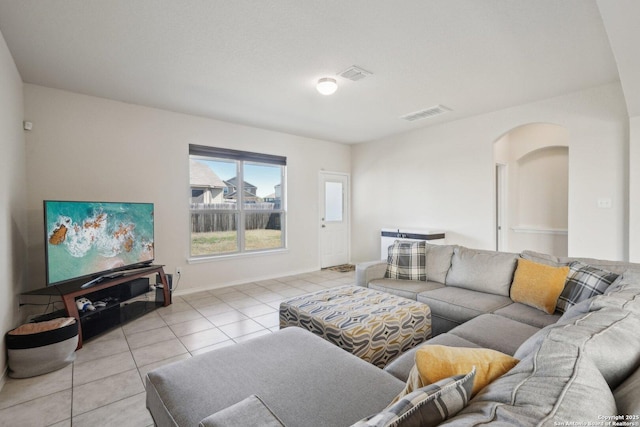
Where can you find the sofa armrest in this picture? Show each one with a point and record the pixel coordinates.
(368, 271)
(251, 411)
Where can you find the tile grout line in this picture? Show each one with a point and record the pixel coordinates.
(110, 403)
(73, 367)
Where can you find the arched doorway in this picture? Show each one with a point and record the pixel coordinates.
(532, 187)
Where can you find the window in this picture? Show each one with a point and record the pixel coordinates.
(237, 201)
(333, 208)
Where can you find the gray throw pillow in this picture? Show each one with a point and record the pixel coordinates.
(427, 406)
(583, 282)
(407, 261)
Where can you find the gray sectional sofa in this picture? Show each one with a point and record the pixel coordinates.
(575, 368)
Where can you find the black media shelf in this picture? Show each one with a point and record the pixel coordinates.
(123, 294)
(133, 310)
(111, 316)
(99, 321)
(84, 315)
(103, 319)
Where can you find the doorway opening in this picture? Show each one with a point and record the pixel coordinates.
(532, 189)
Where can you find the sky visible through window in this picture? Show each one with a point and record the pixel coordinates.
(265, 177)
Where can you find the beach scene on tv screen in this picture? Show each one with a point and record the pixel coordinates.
(84, 238)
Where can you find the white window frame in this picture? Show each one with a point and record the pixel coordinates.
(241, 158)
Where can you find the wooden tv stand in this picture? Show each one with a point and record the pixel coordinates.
(72, 290)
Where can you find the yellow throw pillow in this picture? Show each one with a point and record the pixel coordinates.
(538, 285)
(436, 362)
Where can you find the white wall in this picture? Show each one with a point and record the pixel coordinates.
(443, 176)
(13, 225)
(543, 183)
(88, 148)
(634, 189)
(540, 194)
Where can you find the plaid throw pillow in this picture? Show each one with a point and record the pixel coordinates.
(427, 406)
(583, 282)
(407, 261)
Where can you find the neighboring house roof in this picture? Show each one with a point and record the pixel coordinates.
(233, 182)
(248, 195)
(201, 175)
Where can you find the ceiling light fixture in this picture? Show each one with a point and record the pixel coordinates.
(327, 85)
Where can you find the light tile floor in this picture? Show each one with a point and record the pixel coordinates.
(105, 385)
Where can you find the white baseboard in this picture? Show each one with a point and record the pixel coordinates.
(188, 291)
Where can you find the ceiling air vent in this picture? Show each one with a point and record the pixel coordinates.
(426, 113)
(355, 73)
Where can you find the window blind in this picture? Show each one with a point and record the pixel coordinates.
(226, 153)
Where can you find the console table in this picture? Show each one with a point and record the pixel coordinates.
(72, 290)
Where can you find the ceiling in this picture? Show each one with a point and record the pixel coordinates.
(256, 62)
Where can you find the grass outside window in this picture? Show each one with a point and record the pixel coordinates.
(220, 242)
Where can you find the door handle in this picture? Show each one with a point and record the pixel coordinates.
(323, 226)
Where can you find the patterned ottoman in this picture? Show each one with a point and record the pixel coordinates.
(374, 326)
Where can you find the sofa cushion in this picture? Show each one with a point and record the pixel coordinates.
(632, 276)
(580, 309)
(556, 383)
(441, 325)
(461, 305)
(627, 395)
(438, 262)
(622, 283)
(427, 406)
(626, 285)
(339, 385)
(541, 258)
(483, 271)
(403, 288)
(617, 267)
(251, 411)
(402, 365)
(367, 271)
(583, 282)
(625, 298)
(627, 301)
(407, 261)
(529, 315)
(495, 332)
(607, 336)
(538, 285)
(610, 338)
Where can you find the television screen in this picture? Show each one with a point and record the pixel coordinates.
(85, 239)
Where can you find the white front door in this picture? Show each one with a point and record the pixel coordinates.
(334, 219)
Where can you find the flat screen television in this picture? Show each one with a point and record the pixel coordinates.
(92, 240)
